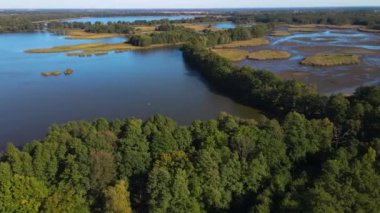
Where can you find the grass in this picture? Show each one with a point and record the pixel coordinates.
(80, 34)
(68, 71)
(247, 43)
(303, 29)
(92, 48)
(331, 60)
(52, 73)
(280, 33)
(145, 29)
(269, 55)
(368, 30)
(232, 54)
(198, 27)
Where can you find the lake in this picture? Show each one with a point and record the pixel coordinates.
(105, 20)
(118, 85)
(329, 80)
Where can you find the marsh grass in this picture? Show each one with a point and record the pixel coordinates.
(232, 54)
(80, 34)
(248, 43)
(89, 49)
(331, 60)
(269, 55)
(280, 33)
(68, 71)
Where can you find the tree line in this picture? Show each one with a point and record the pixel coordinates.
(171, 34)
(356, 116)
(366, 17)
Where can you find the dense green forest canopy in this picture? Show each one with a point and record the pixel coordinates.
(223, 165)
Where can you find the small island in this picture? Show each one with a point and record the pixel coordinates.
(68, 71)
(52, 73)
(263, 55)
(326, 60)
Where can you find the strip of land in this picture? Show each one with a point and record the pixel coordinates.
(96, 47)
(80, 34)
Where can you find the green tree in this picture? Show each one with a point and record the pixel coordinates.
(117, 198)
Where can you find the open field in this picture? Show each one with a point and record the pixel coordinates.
(145, 29)
(280, 33)
(248, 43)
(232, 54)
(80, 34)
(269, 55)
(331, 60)
(198, 27)
(94, 48)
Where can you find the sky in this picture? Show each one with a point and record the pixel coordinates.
(146, 4)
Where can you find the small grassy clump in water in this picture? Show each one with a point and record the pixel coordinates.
(68, 71)
(331, 60)
(53, 73)
(269, 55)
(247, 43)
(232, 54)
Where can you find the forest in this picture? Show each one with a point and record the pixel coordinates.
(223, 165)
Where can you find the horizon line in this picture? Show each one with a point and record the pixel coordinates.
(195, 8)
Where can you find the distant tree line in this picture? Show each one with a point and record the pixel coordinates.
(369, 18)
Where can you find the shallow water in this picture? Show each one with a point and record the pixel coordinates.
(128, 18)
(118, 85)
(225, 25)
(338, 79)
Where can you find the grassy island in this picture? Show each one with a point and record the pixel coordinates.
(232, 54)
(331, 60)
(269, 55)
(52, 73)
(80, 34)
(93, 48)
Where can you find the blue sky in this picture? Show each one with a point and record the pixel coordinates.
(125, 4)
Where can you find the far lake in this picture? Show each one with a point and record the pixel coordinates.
(118, 85)
(128, 18)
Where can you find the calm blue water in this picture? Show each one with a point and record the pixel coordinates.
(129, 18)
(118, 85)
(225, 25)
